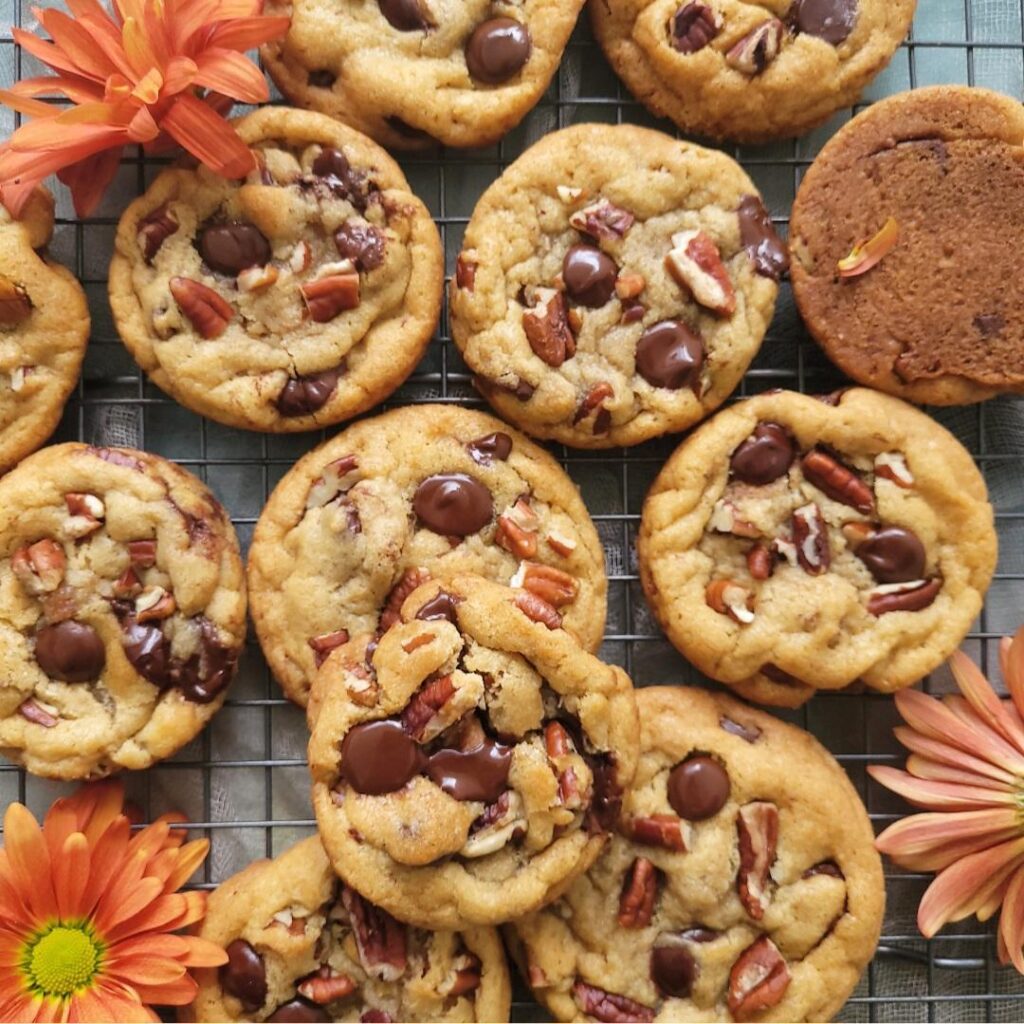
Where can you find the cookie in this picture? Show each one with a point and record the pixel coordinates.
(743, 885)
(295, 298)
(469, 763)
(942, 170)
(303, 946)
(44, 327)
(122, 610)
(426, 490)
(614, 284)
(413, 73)
(750, 72)
(796, 543)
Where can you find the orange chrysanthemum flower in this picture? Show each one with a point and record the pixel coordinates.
(86, 912)
(966, 768)
(155, 73)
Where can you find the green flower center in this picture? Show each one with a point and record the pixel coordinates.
(63, 959)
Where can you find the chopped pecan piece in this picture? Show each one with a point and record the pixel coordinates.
(142, 553)
(154, 229)
(465, 273)
(409, 581)
(556, 740)
(464, 977)
(810, 535)
(15, 305)
(559, 748)
(591, 401)
(603, 219)
(39, 567)
(725, 518)
(839, 482)
(757, 826)
(554, 586)
(903, 597)
(537, 609)
(893, 466)
(326, 985)
(301, 257)
(639, 891)
(560, 544)
(327, 487)
(760, 561)
(546, 325)
(380, 939)
(425, 704)
(208, 312)
(758, 980)
(758, 48)
(328, 296)
(325, 643)
(501, 822)
(609, 1007)
(730, 598)
(127, 584)
(857, 531)
(517, 530)
(86, 513)
(416, 642)
(154, 603)
(696, 264)
(257, 279)
(693, 26)
(664, 830)
(37, 713)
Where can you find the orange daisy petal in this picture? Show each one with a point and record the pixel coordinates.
(203, 953)
(27, 105)
(89, 178)
(44, 51)
(190, 857)
(122, 1003)
(195, 16)
(943, 771)
(76, 43)
(124, 901)
(976, 688)
(246, 33)
(231, 73)
(1011, 922)
(47, 1011)
(80, 90)
(938, 796)
(144, 970)
(936, 751)
(167, 913)
(19, 1006)
(1011, 659)
(179, 75)
(29, 861)
(931, 842)
(108, 853)
(71, 876)
(206, 135)
(176, 993)
(142, 127)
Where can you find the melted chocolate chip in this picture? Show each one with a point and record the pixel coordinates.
(405, 15)
(893, 555)
(674, 970)
(477, 774)
(303, 396)
(380, 757)
(669, 355)
(322, 78)
(497, 49)
(826, 867)
(363, 244)
(440, 606)
(698, 788)
(990, 324)
(244, 975)
(331, 166)
(523, 390)
(331, 163)
(453, 504)
(299, 1011)
(589, 275)
(764, 456)
(748, 732)
(831, 20)
(231, 248)
(759, 238)
(484, 450)
(70, 651)
(606, 797)
(148, 650)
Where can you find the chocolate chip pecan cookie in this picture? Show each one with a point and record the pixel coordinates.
(297, 297)
(752, 72)
(469, 763)
(122, 610)
(744, 884)
(361, 521)
(44, 327)
(412, 73)
(303, 946)
(905, 232)
(796, 543)
(614, 284)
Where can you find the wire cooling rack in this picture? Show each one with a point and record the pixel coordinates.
(243, 782)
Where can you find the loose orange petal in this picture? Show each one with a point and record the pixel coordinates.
(233, 74)
(208, 136)
(867, 254)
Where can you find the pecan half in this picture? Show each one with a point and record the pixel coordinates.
(546, 325)
(603, 219)
(639, 891)
(609, 1007)
(692, 27)
(537, 609)
(839, 482)
(409, 581)
(758, 979)
(142, 553)
(758, 48)
(664, 830)
(39, 567)
(425, 704)
(37, 713)
(380, 939)
(326, 985)
(207, 311)
(810, 535)
(903, 597)
(760, 561)
(328, 296)
(154, 229)
(465, 273)
(517, 530)
(730, 598)
(559, 748)
(323, 644)
(696, 264)
(15, 305)
(893, 466)
(554, 586)
(757, 826)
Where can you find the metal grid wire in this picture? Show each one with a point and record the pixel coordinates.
(243, 782)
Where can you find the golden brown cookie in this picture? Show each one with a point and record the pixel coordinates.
(939, 318)
(614, 284)
(303, 946)
(295, 298)
(743, 885)
(362, 520)
(796, 543)
(471, 763)
(44, 327)
(122, 610)
(752, 72)
(413, 73)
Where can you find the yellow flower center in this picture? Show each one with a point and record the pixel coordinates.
(63, 960)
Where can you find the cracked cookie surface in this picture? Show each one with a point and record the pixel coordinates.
(743, 883)
(122, 610)
(412, 73)
(44, 327)
(934, 320)
(470, 763)
(752, 72)
(296, 298)
(303, 946)
(614, 284)
(796, 543)
(426, 490)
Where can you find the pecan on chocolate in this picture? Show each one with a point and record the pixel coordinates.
(330, 295)
(603, 219)
(757, 826)
(664, 830)
(39, 567)
(154, 229)
(758, 979)
(537, 609)
(693, 26)
(425, 704)
(546, 325)
(839, 482)
(758, 48)
(810, 535)
(207, 311)
(639, 891)
(696, 264)
(554, 586)
(609, 1007)
(15, 305)
(903, 597)
(409, 581)
(380, 939)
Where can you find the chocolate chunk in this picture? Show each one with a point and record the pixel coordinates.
(303, 396)
(244, 975)
(206, 673)
(331, 163)
(440, 606)
(523, 390)
(764, 456)
(497, 49)
(826, 867)
(231, 248)
(759, 237)
(674, 970)
(332, 167)
(380, 757)
(299, 1011)
(606, 798)
(589, 275)
(477, 774)
(893, 555)
(484, 450)
(748, 732)
(405, 15)
(70, 651)
(148, 650)
(363, 244)
(670, 355)
(698, 788)
(989, 324)
(831, 20)
(453, 504)
(692, 27)
(322, 78)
